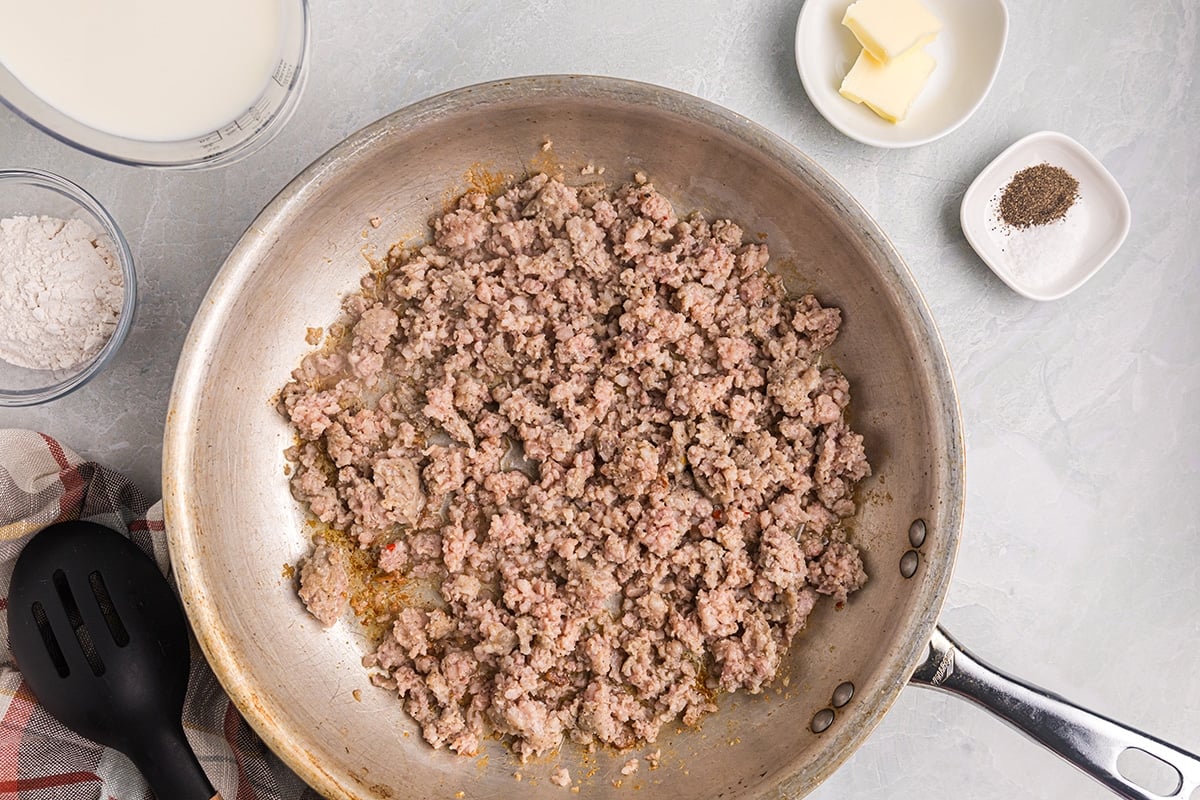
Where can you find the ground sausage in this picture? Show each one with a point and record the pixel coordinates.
(607, 438)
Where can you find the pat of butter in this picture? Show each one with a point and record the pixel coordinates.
(887, 29)
(888, 89)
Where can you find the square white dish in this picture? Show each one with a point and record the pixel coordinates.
(968, 51)
(1047, 262)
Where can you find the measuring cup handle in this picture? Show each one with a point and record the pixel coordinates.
(1085, 739)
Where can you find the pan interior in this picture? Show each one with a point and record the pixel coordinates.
(234, 525)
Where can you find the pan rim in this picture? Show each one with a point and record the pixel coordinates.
(179, 445)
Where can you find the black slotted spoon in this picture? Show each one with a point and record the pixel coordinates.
(102, 641)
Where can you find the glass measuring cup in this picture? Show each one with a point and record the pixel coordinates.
(249, 131)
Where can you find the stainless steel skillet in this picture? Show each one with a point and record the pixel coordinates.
(234, 526)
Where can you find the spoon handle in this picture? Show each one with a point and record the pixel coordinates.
(171, 767)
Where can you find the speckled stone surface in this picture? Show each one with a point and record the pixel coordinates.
(1080, 562)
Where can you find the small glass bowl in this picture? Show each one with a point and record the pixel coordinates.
(27, 192)
(256, 126)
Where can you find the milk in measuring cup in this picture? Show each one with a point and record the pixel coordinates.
(153, 70)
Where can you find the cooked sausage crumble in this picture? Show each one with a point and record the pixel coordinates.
(606, 437)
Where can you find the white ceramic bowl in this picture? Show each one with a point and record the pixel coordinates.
(968, 53)
(1054, 262)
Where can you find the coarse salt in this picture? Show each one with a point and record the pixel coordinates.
(1041, 256)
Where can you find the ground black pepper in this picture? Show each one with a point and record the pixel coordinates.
(1038, 195)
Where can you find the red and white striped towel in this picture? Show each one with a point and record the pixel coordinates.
(42, 482)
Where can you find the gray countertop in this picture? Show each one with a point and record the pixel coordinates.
(1080, 562)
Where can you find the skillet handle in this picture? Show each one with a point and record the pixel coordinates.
(1085, 739)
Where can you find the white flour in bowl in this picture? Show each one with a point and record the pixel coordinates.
(61, 292)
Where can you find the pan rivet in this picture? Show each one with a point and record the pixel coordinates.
(842, 694)
(916, 533)
(822, 720)
(909, 562)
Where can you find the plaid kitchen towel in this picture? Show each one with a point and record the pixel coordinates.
(42, 482)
